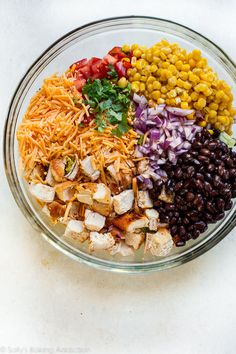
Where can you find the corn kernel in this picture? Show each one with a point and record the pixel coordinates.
(135, 86)
(137, 53)
(187, 85)
(180, 83)
(183, 75)
(136, 77)
(185, 67)
(150, 79)
(142, 87)
(222, 119)
(172, 94)
(160, 101)
(173, 69)
(122, 83)
(184, 105)
(153, 68)
(155, 95)
(203, 124)
(179, 64)
(156, 85)
(172, 81)
(164, 89)
(212, 113)
(134, 46)
(201, 103)
(194, 96)
(192, 63)
(174, 59)
(126, 48)
(150, 87)
(196, 54)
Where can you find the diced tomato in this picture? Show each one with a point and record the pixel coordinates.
(99, 69)
(93, 60)
(117, 53)
(120, 68)
(79, 83)
(85, 71)
(126, 64)
(110, 59)
(79, 64)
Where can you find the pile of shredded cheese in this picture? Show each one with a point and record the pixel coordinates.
(51, 129)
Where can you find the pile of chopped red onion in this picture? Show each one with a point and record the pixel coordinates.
(168, 134)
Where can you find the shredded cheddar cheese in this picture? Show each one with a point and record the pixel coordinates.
(52, 129)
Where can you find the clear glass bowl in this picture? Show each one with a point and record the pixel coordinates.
(95, 39)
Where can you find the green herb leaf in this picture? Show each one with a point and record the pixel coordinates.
(112, 73)
(75, 101)
(69, 164)
(140, 140)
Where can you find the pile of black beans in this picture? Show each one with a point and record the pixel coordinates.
(203, 183)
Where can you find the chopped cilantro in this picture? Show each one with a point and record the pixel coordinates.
(81, 124)
(109, 103)
(112, 73)
(75, 101)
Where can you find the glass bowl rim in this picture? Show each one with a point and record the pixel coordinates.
(11, 174)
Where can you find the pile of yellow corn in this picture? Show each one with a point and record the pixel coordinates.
(166, 73)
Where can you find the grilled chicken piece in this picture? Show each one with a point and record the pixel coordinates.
(130, 222)
(165, 197)
(153, 217)
(143, 166)
(42, 192)
(111, 169)
(94, 221)
(57, 167)
(74, 212)
(49, 178)
(116, 233)
(56, 210)
(101, 208)
(134, 239)
(102, 194)
(85, 192)
(66, 190)
(123, 202)
(160, 243)
(89, 168)
(144, 200)
(38, 172)
(123, 249)
(99, 241)
(75, 230)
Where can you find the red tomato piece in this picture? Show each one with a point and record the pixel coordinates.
(79, 83)
(126, 64)
(117, 53)
(110, 59)
(79, 64)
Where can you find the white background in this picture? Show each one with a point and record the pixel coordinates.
(52, 303)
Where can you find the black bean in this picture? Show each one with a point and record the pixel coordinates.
(180, 243)
(182, 230)
(216, 181)
(195, 234)
(220, 204)
(196, 145)
(200, 176)
(185, 221)
(178, 173)
(199, 184)
(211, 167)
(210, 207)
(208, 187)
(205, 152)
(226, 192)
(196, 162)
(229, 162)
(190, 172)
(208, 177)
(189, 196)
(170, 206)
(219, 216)
(200, 225)
(232, 173)
(212, 145)
(228, 205)
(178, 186)
(173, 229)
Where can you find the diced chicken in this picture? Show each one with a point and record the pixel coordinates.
(160, 243)
(49, 178)
(94, 221)
(38, 172)
(143, 166)
(144, 200)
(153, 217)
(123, 249)
(56, 210)
(66, 190)
(111, 169)
(117, 233)
(130, 222)
(74, 212)
(134, 239)
(99, 241)
(73, 172)
(75, 230)
(168, 198)
(85, 192)
(123, 202)
(102, 194)
(42, 192)
(45, 210)
(101, 208)
(57, 167)
(89, 168)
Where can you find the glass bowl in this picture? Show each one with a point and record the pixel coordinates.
(95, 39)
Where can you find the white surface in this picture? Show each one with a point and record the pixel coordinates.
(51, 304)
